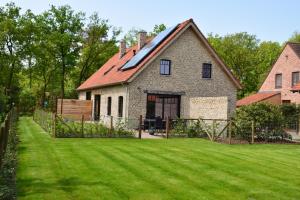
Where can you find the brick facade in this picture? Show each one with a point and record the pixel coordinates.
(187, 54)
(287, 62)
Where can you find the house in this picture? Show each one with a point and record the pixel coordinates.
(282, 83)
(176, 74)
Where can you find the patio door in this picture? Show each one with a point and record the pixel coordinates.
(163, 106)
(97, 101)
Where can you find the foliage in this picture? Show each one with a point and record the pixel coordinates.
(131, 36)
(189, 128)
(9, 163)
(3, 100)
(27, 101)
(157, 29)
(70, 128)
(51, 53)
(268, 121)
(97, 47)
(290, 113)
(295, 37)
(248, 59)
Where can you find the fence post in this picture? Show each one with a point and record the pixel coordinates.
(214, 130)
(140, 126)
(82, 126)
(252, 131)
(54, 125)
(230, 130)
(111, 126)
(167, 126)
(298, 126)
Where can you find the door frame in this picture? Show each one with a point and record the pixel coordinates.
(163, 96)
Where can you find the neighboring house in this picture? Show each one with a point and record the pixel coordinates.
(176, 74)
(282, 83)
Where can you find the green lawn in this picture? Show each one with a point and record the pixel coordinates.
(74, 169)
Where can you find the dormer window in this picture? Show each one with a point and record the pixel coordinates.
(165, 67)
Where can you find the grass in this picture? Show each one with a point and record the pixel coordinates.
(152, 169)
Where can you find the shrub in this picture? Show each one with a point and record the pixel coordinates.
(9, 164)
(268, 119)
(75, 129)
(188, 128)
(27, 101)
(290, 113)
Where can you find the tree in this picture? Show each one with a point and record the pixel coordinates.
(131, 36)
(64, 38)
(28, 26)
(266, 55)
(239, 53)
(10, 46)
(295, 37)
(248, 59)
(157, 29)
(98, 47)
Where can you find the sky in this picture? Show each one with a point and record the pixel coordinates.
(274, 20)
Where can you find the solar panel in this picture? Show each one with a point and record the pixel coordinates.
(148, 48)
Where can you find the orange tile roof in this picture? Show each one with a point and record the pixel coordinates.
(111, 74)
(296, 87)
(254, 98)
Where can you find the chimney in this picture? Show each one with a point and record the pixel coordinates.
(142, 36)
(122, 48)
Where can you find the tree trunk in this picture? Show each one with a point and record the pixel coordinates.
(62, 83)
(30, 72)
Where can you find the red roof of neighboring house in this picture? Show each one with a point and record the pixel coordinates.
(111, 74)
(296, 87)
(254, 98)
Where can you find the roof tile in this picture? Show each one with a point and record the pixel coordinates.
(254, 98)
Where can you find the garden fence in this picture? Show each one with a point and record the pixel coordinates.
(222, 130)
(5, 131)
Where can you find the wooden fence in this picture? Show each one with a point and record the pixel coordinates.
(5, 131)
(74, 108)
(222, 130)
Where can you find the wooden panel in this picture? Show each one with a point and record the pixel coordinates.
(74, 108)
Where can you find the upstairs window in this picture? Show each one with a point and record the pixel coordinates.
(88, 95)
(295, 78)
(206, 70)
(120, 106)
(278, 81)
(109, 106)
(165, 67)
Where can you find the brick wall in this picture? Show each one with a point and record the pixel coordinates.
(187, 54)
(286, 63)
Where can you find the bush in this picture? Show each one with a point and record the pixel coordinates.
(73, 129)
(9, 165)
(290, 113)
(268, 118)
(27, 101)
(188, 128)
